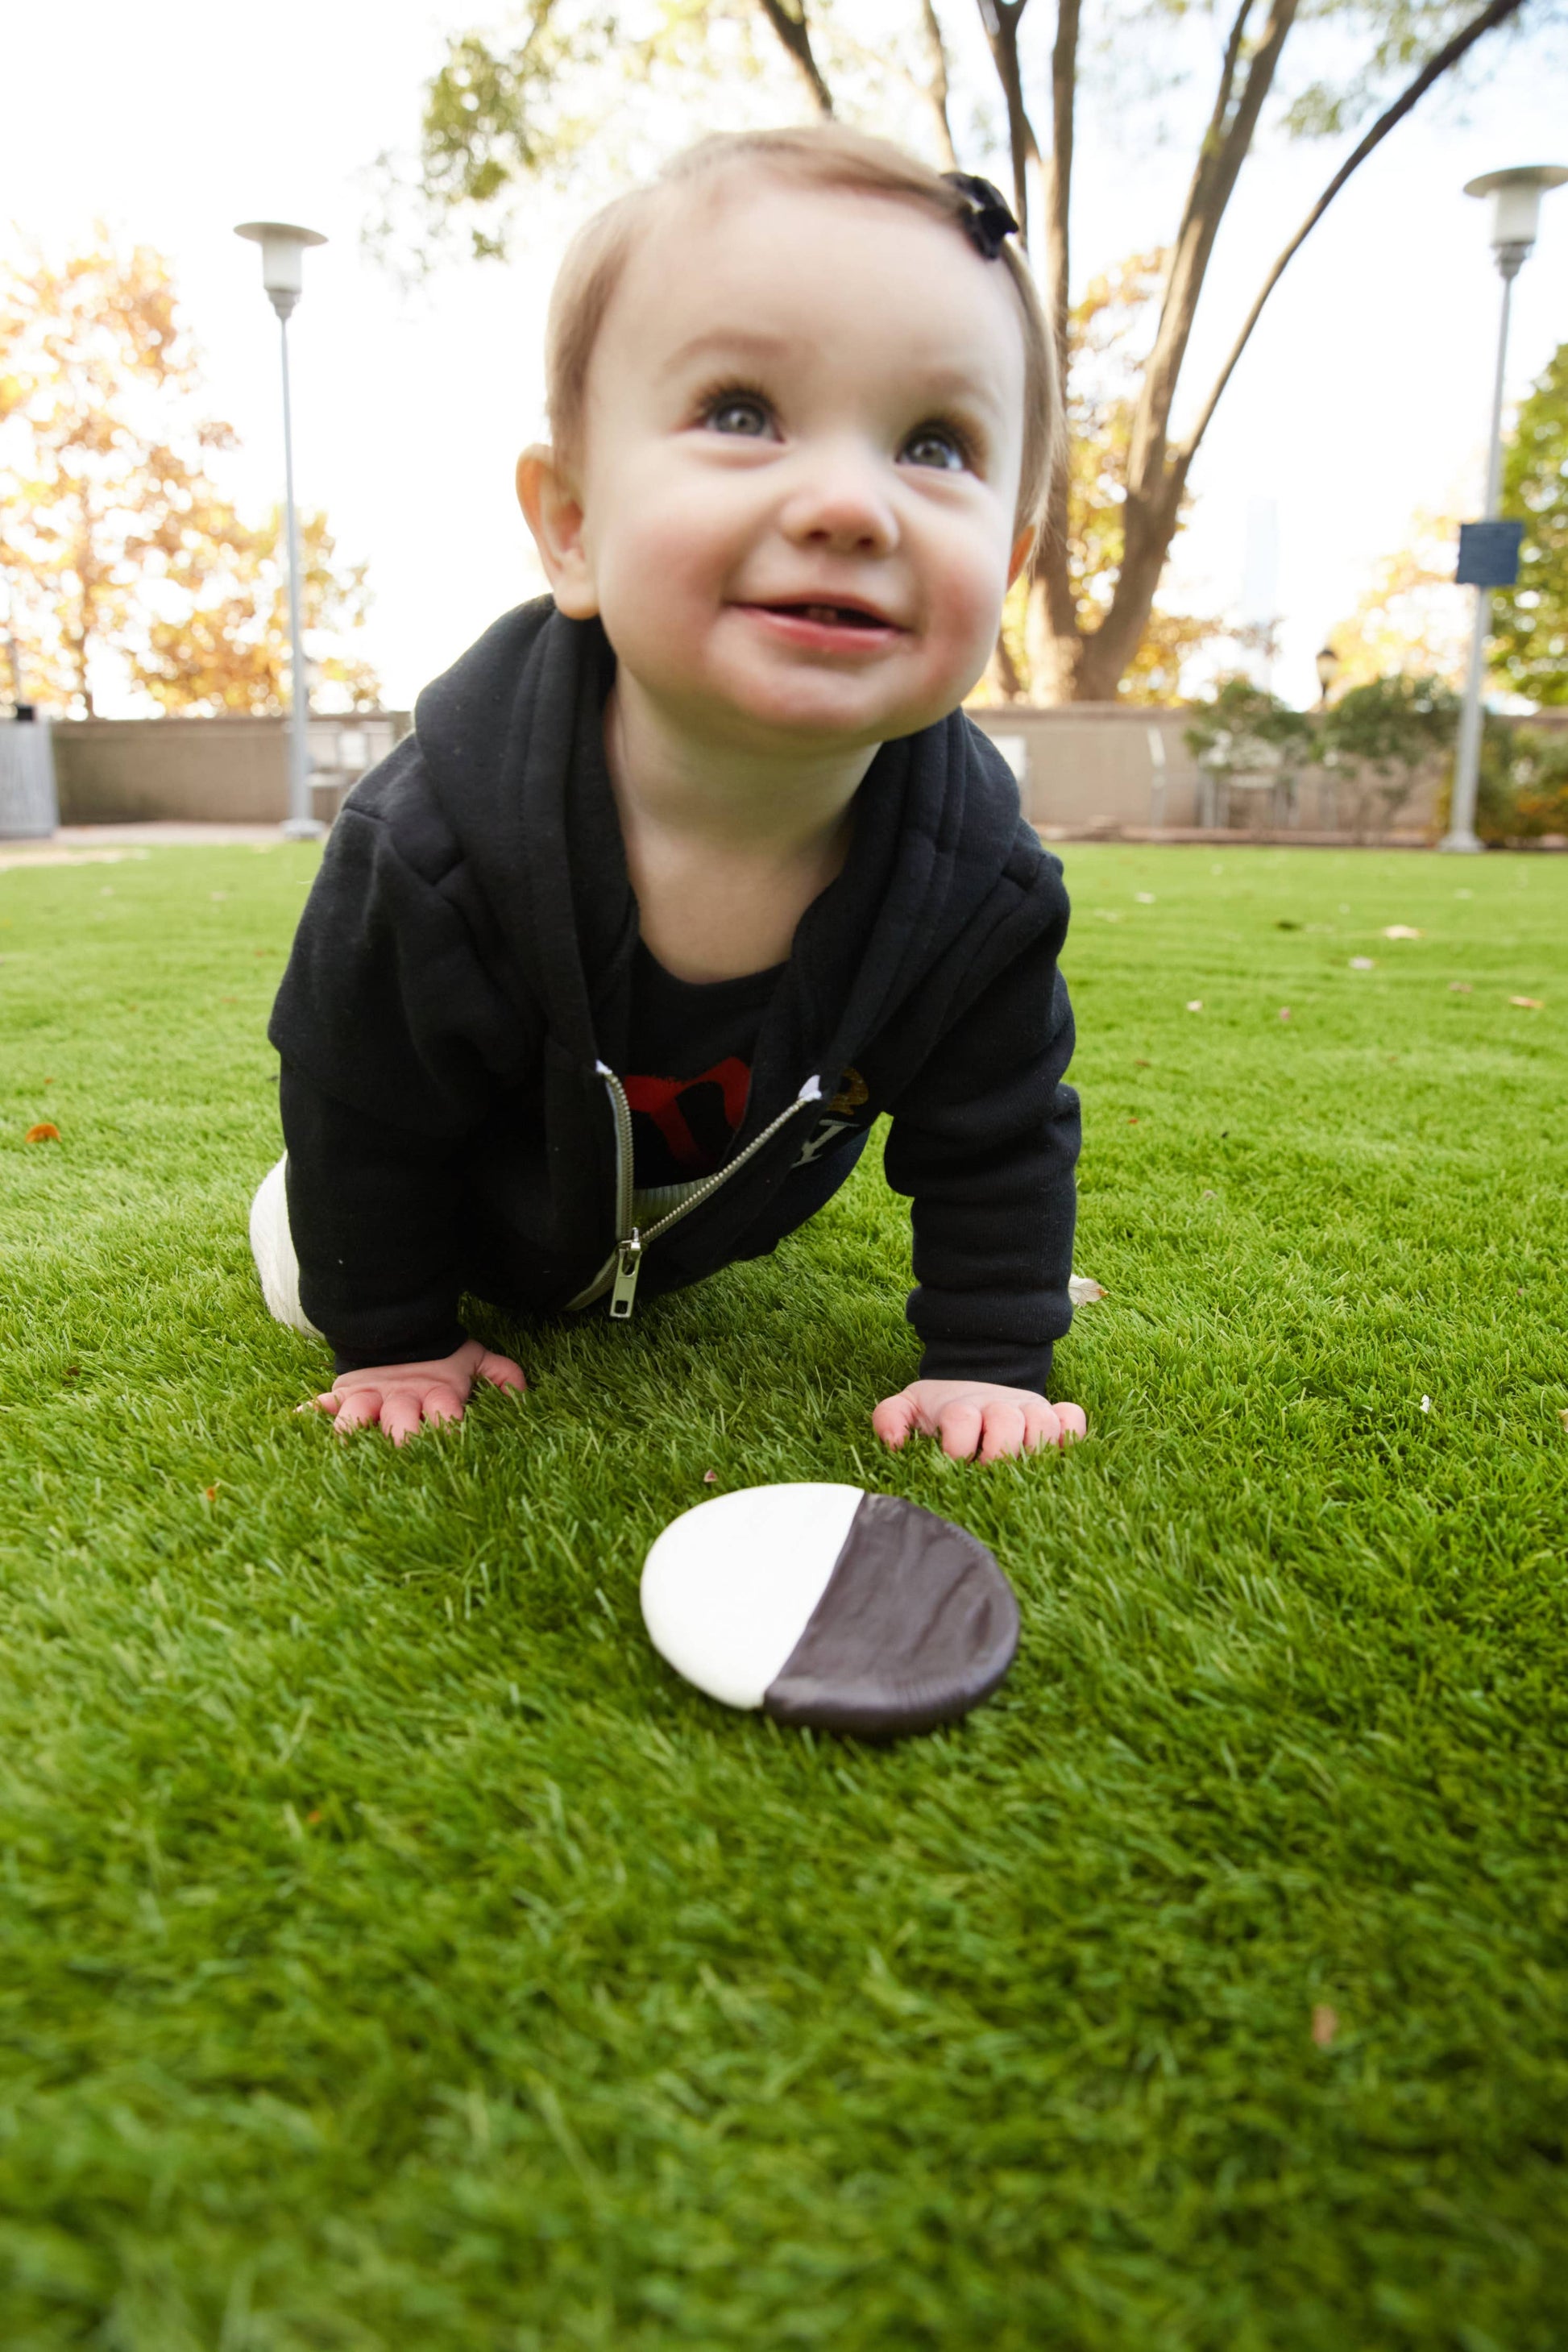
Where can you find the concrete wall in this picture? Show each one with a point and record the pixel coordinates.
(228, 771)
(1087, 768)
(1103, 767)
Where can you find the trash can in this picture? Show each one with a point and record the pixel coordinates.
(28, 808)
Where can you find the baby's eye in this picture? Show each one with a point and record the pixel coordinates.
(938, 445)
(739, 411)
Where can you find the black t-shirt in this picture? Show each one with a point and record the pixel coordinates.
(689, 1060)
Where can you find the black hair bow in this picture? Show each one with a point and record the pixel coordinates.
(988, 221)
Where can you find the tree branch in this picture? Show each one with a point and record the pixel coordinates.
(936, 88)
(1059, 184)
(1050, 566)
(1220, 159)
(795, 36)
(1000, 20)
(1496, 14)
(1227, 75)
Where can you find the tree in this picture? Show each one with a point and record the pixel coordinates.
(499, 117)
(115, 541)
(1411, 619)
(229, 649)
(1530, 623)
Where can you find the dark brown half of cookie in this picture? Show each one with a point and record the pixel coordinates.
(916, 1625)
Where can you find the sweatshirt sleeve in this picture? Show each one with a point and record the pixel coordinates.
(392, 1035)
(985, 1143)
(375, 1217)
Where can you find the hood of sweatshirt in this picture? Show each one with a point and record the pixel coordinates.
(511, 739)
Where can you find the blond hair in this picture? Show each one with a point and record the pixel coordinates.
(824, 156)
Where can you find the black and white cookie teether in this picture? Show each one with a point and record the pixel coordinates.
(827, 1605)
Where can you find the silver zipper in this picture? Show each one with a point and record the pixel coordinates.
(625, 1260)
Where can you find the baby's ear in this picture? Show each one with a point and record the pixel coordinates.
(554, 513)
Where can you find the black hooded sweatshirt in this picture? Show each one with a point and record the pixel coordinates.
(458, 1003)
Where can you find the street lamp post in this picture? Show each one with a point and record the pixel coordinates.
(1326, 662)
(1515, 210)
(283, 275)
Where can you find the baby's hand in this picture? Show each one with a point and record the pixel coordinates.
(401, 1396)
(976, 1420)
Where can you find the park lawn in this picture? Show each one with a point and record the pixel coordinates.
(396, 1957)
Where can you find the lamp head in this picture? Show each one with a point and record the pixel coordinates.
(1326, 664)
(282, 252)
(1516, 207)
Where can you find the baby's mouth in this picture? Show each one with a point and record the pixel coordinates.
(828, 616)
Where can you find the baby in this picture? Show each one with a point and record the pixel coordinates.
(693, 868)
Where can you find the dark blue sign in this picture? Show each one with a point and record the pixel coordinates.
(1488, 554)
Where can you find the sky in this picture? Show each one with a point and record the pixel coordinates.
(1363, 398)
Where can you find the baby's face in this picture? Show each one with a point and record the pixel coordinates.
(803, 437)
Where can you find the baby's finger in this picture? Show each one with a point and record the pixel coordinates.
(893, 1418)
(1005, 1432)
(402, 1409)
(359, 1409)
(1041, 1427)
(1074, 1422)
(960, 1427)
(327, 1403)
(500, 1371)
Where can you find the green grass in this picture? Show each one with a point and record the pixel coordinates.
(394, 1955)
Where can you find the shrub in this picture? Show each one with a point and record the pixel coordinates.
(1245, 731)
(1374, 738)
(1523, 791)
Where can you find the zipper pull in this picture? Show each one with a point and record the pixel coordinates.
(629, 1265)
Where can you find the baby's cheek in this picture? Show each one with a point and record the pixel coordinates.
(966, 609)
(650, 583)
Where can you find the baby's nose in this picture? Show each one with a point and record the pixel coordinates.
(839, 502)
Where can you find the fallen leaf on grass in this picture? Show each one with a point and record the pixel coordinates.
(1460, 988)
(1194, 1004)
(46, 1131)
(709, 1477)
(211, 1494)
(1362, 963)
(1132, 1119)
(1144, 898)
(1528, 1003)
(1562, 1416)
(1425, 1404)
(1284, 1013)
(1325, 2023)
(1083, 1292)
(1400, 931)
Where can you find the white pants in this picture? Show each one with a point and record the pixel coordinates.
(272, 1247)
